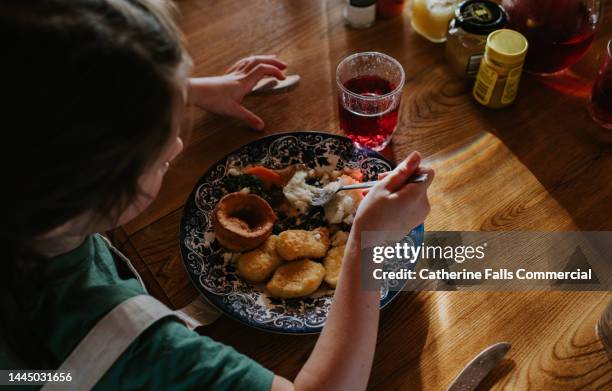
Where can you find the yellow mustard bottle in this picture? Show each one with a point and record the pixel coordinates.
(500, 69)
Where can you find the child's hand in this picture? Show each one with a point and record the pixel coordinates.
(393, 204)
(223, 94)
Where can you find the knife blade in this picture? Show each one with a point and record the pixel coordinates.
(480, 366)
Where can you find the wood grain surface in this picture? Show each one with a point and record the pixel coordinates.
(538, 165)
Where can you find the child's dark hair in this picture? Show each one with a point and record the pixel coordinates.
(89, 95)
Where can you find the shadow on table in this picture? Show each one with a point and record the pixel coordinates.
(550, 131)
(404, 325)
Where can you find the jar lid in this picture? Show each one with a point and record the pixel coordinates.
(362, 3)
(480, 16)
(507, 47)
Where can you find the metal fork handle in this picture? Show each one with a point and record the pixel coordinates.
(361, 185)
(417, 178)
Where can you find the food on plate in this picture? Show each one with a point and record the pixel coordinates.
(296, 243)
(298, 192)
(333, 264)
(237, 182)
(343, 205)
(258, 265)
(354, 173)
(296, 279)
(268, 176)
(339, 238)
(242, 222)
(289, 263)
(272, 178)
(269, 246)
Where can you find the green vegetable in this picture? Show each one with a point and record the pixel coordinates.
(239, 182)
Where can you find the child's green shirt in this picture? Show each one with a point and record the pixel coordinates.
(83, 285)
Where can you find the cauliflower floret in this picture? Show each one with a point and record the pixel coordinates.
(298, 192)
(339, 208)
(342, 207)
(233, 171)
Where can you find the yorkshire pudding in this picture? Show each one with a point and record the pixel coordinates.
(242, 221)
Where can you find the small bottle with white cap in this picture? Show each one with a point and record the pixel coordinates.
(360, 13)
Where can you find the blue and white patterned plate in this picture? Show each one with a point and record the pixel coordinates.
(210, 266)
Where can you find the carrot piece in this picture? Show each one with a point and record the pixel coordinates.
(265, 174)
(356, 174)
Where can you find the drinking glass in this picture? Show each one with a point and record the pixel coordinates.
(369, 94)
(559, 31)
(600, 106)
(430, 18)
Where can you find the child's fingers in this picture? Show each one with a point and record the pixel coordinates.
(397, 178)
(259, 72)
(245, 65)
(237, 66)
(430, 174)
(248, 117)
(409, 190)
(248, 63)
(253, 61)
(383, 175)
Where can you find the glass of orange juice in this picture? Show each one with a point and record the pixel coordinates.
(430, 18)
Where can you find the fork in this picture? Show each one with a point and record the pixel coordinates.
(326, 193)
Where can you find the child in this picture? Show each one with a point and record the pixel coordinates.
(92, 92)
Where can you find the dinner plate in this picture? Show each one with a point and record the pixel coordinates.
(212, 269)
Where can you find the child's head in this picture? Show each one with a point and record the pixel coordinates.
(91, 92)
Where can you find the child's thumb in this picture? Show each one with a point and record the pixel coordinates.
(400, 175)
(248, 117)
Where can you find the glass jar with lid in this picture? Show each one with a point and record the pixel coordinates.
(429, 18)
(467, 34)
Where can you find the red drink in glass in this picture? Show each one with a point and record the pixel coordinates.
(551, 57)
(369, 94)
(559, 31)
(601, 98)
(372, 130)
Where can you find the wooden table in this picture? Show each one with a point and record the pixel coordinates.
(530, 167)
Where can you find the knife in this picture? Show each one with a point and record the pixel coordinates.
(480, 366)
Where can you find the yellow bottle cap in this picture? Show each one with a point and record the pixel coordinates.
(506, 46)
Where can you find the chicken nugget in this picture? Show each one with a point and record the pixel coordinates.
(296, 244)
(296, 279)
(257, 265)
(339, 238)
(269, 246)
(333, 265)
